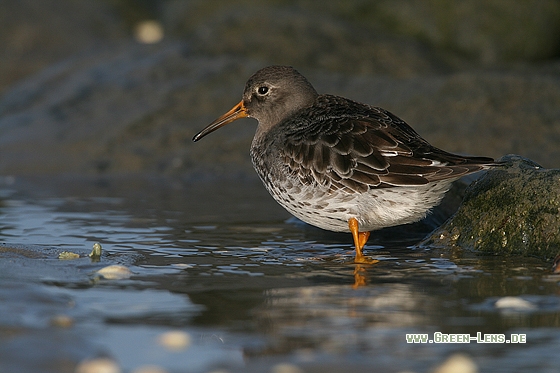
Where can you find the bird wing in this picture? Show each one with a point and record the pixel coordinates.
(360, 152)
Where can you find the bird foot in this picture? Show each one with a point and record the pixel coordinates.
(365, 260)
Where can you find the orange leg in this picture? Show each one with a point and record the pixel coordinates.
(360, 239)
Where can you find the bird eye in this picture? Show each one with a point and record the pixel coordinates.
(262, 90)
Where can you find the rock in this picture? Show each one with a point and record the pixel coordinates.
(400, 38)
(488, 32)
(511, 210)
(110, 105)
(286, 35)
(36, 34)
(396, 38)
(129, 109)
(135, 109)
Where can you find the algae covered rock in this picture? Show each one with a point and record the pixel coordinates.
(512, 209)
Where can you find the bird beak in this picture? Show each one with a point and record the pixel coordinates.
(238, 111)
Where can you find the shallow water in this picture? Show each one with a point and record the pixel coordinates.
(251, 287)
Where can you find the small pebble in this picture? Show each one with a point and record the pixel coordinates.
(115, 272)
(148, 32)
(62, 321)
(96, 251)
(285, 368)
(149, 369)
(182, 265)
(457, 363)
(514, 303)
(556, 264)
(175, 340)
(100, 365)
(67, 255)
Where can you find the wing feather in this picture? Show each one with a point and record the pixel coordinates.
(371, 148)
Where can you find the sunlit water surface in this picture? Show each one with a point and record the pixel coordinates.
(252, 288)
